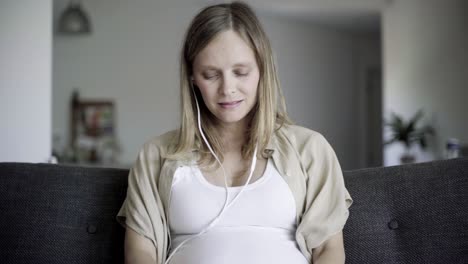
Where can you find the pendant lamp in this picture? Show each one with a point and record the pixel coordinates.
(74, 20)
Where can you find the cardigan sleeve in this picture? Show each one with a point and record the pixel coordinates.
(139, 210)
(327, 199)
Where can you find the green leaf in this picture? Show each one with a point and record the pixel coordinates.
(408, 132)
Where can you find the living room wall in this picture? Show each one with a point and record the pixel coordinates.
(426, 67)
(25, 80)
(132, 57)
(322, 72)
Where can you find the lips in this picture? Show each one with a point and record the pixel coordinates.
(231, 104)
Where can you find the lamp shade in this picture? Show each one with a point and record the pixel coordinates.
(74, 21)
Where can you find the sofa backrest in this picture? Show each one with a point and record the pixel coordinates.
(64, 214)
(414, 213)
(60, 214)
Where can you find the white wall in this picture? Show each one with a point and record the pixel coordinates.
(132, 57)
(319, 70)
(426, 66)
(25, 80)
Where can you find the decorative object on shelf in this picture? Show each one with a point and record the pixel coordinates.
(408, 133)
(452, 148)
(74, 20)
(92, 128)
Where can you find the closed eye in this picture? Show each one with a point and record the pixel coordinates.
(241, 74)
(210, 77)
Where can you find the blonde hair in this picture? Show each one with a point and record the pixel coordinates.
(269, 112)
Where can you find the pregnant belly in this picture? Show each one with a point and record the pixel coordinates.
(229, 245)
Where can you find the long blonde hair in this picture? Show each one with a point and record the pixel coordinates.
(269, 112)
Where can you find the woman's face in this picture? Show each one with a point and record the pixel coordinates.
(227, 75)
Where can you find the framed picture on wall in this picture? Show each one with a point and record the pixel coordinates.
(93, 136)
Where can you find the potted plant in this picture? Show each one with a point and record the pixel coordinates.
(408, 133)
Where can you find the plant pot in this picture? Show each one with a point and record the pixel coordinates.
(407, 158)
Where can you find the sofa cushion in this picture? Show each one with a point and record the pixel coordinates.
(65, 214)
(408, 214)
(60, 214)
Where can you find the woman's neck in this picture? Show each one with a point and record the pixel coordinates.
(233, 136)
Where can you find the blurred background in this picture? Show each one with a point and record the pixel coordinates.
(386, 82)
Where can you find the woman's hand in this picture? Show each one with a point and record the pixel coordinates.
(330, 252)
(138, 249)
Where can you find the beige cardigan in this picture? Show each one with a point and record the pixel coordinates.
(303, 157)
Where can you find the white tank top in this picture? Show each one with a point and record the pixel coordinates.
(258, 228)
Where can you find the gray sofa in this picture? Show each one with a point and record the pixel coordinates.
(63, 214)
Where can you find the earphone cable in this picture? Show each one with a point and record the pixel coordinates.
(227, 204)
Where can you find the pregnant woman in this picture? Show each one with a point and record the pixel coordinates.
(237, 182)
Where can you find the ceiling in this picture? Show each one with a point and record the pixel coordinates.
(353, 15)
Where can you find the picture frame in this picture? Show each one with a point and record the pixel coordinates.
(92, 131)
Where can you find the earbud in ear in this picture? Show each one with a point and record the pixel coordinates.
(192, 81)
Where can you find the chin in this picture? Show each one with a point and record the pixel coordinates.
(231, 119)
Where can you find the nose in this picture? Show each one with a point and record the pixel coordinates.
(228, 85)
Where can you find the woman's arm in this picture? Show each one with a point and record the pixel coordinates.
(330, 251)
(138, 249)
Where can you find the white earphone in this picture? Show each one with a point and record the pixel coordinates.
(227, 204)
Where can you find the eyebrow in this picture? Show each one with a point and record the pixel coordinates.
(239, 64)
(242, 64)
